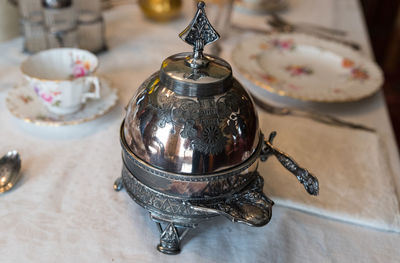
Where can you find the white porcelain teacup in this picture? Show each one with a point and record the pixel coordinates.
(63, 78)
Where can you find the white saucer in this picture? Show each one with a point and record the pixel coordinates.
(24, 104)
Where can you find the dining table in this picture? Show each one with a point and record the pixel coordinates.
(64, 208)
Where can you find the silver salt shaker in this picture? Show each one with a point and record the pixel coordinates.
(61, 23)
(32, 25)
(90, 25)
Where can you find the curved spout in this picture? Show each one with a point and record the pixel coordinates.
(309, 181)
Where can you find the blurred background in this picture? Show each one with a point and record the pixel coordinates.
(383, 21)
(382, 18)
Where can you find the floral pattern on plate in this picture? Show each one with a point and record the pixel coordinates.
(306, 68)
(298, 70)
(277, 44)
(23, 103)
(356, 73)
(283, 44)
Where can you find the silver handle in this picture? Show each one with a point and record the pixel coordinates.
(323, 118)
(309, 181)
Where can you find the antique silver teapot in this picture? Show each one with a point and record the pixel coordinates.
(191, 144)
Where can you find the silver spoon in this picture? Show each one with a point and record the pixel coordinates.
(10, 165)
(323, 118)
(307, 27)
(289, 29)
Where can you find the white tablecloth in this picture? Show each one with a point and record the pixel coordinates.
(65, 210)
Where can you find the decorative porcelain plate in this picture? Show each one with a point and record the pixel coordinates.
(23, 103)
(306, 68)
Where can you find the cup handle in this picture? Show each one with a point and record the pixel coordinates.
(93, 81)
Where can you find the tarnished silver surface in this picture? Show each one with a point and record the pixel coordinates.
(310, 182)
(198, 34)
(170, 238)
(191, 135)
(10, 164)
(178, 77)
(186, 186)
(249, 206)
(191, 144)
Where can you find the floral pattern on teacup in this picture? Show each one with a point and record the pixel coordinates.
(81, 66)
(48, 97)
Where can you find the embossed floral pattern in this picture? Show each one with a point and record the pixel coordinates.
(164, 113)
(298, 70)
(188, 130)
(212, 140)
(200, 32)
(211, 134)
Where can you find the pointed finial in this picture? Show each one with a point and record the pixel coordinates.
(198, 34)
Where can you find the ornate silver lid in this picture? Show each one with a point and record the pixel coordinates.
(197, 74)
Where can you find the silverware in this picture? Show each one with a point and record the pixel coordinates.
(10, 165)
(281, 27)
(307, 27)
(216, 47)
(251, 29)
(323, 118)
(108, 4)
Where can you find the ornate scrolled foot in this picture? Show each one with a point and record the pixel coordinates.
(118, 184)
(250, 206)
(308, 180)
(170, 239)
